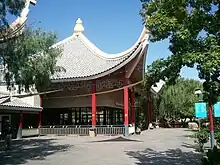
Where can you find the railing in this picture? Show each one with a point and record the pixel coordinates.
(81, 130)
(110, 130)
(30, 132)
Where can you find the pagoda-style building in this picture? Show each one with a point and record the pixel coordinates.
(94, 89)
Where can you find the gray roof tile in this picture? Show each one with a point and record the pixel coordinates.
(3, 99)
(16, 102)
(79, 61)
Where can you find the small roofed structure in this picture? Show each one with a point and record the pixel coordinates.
(17, 110)
(96, 88)
(157, 87)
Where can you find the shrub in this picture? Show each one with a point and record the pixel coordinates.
(202, 137)
(217, 137)
(212, 157)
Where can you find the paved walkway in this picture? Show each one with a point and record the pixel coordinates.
(156, 147)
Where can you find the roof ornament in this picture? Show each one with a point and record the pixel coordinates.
(78, 27)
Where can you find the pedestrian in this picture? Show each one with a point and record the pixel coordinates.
(7, 131)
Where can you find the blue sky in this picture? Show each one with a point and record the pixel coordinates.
(112, 25)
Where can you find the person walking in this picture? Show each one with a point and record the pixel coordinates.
(7, 134)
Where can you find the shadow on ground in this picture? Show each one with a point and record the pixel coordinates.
(31, 149)
(118, 139)
(195, 147)
(168, 157)
(192, 146)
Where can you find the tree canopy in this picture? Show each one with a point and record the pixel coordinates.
(177, 101)
(12, 7)
(192, 28)
(30, 59)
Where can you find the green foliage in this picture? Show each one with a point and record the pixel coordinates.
(192, 27)
(12, 7)
(217, 137)
(212, 157)
(202, 137)
(30, 59)
(177, 101)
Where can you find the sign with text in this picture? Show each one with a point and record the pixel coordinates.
(200, 110)
(217, 109)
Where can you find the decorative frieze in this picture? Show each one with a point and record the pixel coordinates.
(108, 84)
(100, 85)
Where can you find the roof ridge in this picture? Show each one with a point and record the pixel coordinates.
(107, 56)
(4, 100)
(62, 42)
(82, 40)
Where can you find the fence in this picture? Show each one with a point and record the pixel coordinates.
(30, 132)
(110, 130)
(81, 130)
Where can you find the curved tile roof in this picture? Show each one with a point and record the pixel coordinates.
(81, 59)
(16, 102)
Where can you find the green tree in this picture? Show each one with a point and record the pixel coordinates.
(177, 101)
(12, 7)
(30, 59)
(192, 27)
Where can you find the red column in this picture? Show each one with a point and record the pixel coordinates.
(125, 106)
(40, 119)
(93, 103)
(20, 126)
(21, 120)
(132, 108)
(211, 125)
(126, 100)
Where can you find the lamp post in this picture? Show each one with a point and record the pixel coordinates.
(198, 93)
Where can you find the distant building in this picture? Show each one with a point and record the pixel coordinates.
(157, 87)
(21, 112)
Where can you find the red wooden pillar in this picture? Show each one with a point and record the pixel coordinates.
(126, 100)
(211, 125)
(132, 108)
(20, 126)
(93, 103)
(40, 119)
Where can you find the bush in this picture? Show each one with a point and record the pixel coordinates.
(217, 137)
(202, 137)
(212, 157)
